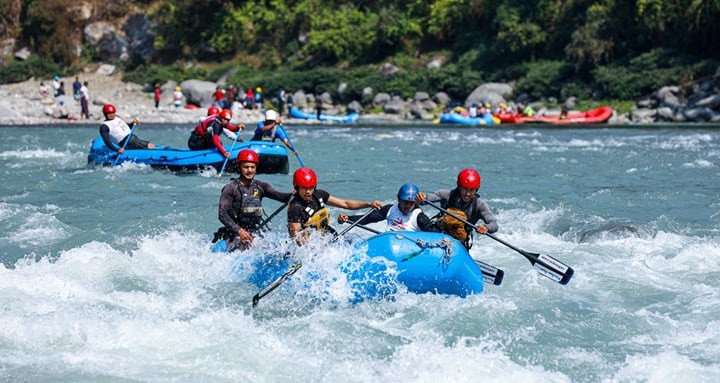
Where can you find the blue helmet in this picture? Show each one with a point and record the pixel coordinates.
(408, 192)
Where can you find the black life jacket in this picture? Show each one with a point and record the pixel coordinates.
(247, 212)
(319, 218)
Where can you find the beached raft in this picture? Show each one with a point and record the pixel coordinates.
(457, 118)
(297, 113)
(422, 262)
(273, 157)
(593, 116)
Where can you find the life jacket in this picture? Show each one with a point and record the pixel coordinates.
(204, 129)
(397, 220)
(117, 129)
(450, 225)
(247, 212)
(318, 219)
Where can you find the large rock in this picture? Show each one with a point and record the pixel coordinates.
(712, 102)
(395, 106)
(300, 99)
(665, 113)
(105, 69)
(441, 98)
(421, 96)
(94, 32)
(494, 93)
(198, 92)
(141, 38)
(23, 53)
(643, 115)
(381, 99)
(367, 94)
(699, 114)
(668, 96)
(112, 47)
(355, 106)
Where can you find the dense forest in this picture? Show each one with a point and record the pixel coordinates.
(607, 49)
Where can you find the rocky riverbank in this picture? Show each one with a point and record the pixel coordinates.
(23, 104)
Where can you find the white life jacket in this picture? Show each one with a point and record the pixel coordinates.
(118, 130)
(396, 220)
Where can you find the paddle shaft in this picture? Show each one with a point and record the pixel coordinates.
(491, 274)
(127, 139)
(228, 157)
(543, 264)
(294, 149)
(276, 212)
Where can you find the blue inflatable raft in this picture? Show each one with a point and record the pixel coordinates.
(422, 262)
(456, 118)
(273, 157)
(297, 113)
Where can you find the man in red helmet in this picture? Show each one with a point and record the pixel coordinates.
(114, 132)
(206, 134)
(230, 130)
(464, 202)
(308, 210)
(240, 209)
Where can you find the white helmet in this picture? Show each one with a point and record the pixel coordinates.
(271, 115)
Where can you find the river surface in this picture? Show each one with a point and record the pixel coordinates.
(106, 273)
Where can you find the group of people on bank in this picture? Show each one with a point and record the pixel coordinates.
(241, 211)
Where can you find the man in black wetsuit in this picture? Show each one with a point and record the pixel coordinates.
(240, 209)
(115, 131)
(308, 209)
(464, 202)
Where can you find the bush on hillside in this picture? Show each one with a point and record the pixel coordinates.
(34, 66)
(641, 75)
(543, 78)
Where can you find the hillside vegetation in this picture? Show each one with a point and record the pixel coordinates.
(588, 49)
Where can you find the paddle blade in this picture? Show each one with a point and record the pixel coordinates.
(491, 274)
(550, 267)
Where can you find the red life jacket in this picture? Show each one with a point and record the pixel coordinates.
(203, 129)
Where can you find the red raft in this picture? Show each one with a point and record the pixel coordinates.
(593, 116)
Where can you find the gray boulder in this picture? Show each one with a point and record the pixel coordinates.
(23, 53)
(643, 115)
(395, 106)
(300, 99)
(441, 98)
(699, 114)
(421, 96)
(664, 113)
(112, 47)
(381, 99)
(667, 95)
(490, 92)
(141, 38)
(712, 102)
(198, 92)
(367, 94)
(355, 106)
(94, 32)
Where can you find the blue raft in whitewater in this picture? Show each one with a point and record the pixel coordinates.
(421, 261)
(456, 118)
(297, 113)
(273, 157)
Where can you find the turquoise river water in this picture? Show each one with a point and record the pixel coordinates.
(106, 273)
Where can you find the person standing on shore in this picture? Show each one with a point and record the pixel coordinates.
(84, 99)
(76, 88)
(177, 97)
(114, 132)
(318, 105)
(464, 202)
(156, 95)
(282, 98)
(56, 86)
(240, 209)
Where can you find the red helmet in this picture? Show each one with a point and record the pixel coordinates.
(213, 111)
(247, 155)
(305, 177)
(109, 108)
(226, 114)
(468, 178)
